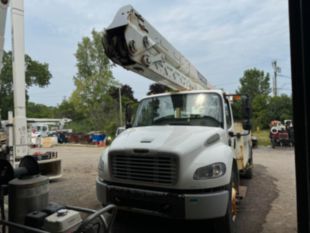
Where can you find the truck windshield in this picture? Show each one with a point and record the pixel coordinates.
(203, 109)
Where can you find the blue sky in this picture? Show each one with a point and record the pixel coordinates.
(221, 38)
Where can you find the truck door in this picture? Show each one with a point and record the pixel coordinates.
(229, 124)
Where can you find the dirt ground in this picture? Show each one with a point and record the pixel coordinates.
(269, 206)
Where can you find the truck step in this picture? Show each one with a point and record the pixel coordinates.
(242, 192)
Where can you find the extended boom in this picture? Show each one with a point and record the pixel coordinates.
(133, 43)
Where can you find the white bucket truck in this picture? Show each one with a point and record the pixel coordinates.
(182, 154)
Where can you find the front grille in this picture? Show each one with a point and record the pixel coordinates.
(150, 168)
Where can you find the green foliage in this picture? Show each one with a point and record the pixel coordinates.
(66, 109)
(157, 88)
(126, 91)
(39, 110)
(280, 108)
(94, 104)
(262, 137)
(255, 83)
(260, 111)
(91, 99)
(36, 73)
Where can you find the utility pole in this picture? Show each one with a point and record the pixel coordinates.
(276, 70)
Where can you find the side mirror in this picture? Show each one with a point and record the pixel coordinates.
(128, 116)
(246, 107)
(246, 124)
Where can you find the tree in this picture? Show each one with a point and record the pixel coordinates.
(126, 91)
(39, 110)
(254, 82)
(66, 109)
(260, 105)
(36, 74)
(93, 81)
(157, 88)
(280, 108)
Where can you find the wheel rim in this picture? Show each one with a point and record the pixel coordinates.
(234, 202)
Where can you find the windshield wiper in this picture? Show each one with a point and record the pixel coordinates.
(179, 123)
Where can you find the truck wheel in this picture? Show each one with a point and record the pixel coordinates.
(227, 224)
(248, 174)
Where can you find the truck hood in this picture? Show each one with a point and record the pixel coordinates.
(175, 139)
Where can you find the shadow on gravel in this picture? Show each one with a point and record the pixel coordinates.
(253, 209)
(261, 192)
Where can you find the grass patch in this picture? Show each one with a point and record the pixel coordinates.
(262, 137)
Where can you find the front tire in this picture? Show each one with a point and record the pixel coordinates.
(227, 224)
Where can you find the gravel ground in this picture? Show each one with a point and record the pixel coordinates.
(269, 206)
(270, 203)
(77, 185)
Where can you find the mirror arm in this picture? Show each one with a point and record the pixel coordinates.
(238, 135)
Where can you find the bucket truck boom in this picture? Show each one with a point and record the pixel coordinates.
(20, 125)
(133, 43)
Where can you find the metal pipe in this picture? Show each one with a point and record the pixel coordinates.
(21, 227)
(90, 218)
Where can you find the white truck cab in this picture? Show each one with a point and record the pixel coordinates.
(179, 159)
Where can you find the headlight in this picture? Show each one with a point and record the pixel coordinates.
(214, 170)
(101, 165)
(100, 169)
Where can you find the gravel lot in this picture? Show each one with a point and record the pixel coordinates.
(269, 206)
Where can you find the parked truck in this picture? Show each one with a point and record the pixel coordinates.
(183, 153)
(14, 137)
